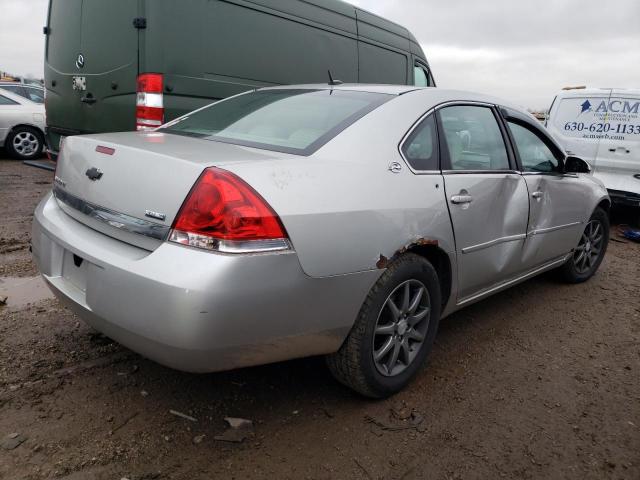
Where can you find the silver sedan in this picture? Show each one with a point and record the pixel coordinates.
(313, 220)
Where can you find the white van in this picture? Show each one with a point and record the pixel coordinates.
(602, 126)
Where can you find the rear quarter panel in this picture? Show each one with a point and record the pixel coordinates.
(343, 208)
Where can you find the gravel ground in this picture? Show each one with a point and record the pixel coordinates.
(541, 381)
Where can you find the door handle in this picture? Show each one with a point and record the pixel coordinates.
(88, 99)
(461, 199)
(537, 194)
(614, 150)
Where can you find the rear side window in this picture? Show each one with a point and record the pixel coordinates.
(290, 121)
(473, 138)
(421, 147)
(420, 76)
(6, 101)
(534, 153)
(35, 94)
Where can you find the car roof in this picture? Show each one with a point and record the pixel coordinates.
(429, 95)
(360, 87)
(581, 92)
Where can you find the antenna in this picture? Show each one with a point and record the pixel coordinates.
(332, 81)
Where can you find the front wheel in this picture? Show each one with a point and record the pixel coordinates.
(588, 254)
(394, 331)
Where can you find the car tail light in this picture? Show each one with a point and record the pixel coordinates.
(225, 214)
(149, 101)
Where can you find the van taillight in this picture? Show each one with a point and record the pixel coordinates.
(149, 101)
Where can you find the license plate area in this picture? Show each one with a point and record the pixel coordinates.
(79, 83)
(74, 270)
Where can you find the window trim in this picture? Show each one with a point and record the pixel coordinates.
(520, 120)
(445, 160)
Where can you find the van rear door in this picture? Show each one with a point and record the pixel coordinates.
(91, 65)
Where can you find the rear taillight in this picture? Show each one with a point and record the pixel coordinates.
(225, 214)
(149, 101)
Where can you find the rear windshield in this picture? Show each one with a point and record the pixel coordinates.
(290, 121)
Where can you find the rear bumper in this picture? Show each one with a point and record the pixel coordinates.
(194, 310)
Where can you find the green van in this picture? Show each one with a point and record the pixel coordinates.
(133, 64)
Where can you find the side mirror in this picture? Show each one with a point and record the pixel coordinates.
(576, 165)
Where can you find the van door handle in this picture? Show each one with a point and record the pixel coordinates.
(614, 150)
(88, 99)
(461, 199)
(537, 194)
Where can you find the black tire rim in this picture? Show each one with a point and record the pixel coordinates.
(589, 249)
(401, 328)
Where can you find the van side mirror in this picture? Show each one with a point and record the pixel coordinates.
(576, 165)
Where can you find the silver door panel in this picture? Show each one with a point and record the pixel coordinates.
(558, 208)
(490, 230)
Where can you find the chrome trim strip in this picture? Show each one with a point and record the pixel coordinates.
(540, 231)
(508, 283)
(467, 172)
(117, 220)
(491, 243)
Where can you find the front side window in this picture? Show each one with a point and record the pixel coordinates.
(420, 76)
(421, 147)
(284, 120)
(535, 155)
(473, 138)
(6, 101)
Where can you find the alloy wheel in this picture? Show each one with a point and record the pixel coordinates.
(401, 328)
(25, 143)
(589, 248)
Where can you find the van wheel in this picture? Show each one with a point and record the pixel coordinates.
(394, 331)
(25, 143)
(588, 254)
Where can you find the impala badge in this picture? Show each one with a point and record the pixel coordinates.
(156, 215)
(94, 174)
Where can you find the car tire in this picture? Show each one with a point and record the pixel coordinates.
(591, 248)
(25, 143)
(354, 364)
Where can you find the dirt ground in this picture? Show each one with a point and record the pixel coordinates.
(541, 381)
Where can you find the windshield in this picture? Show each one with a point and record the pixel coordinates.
(290, 121)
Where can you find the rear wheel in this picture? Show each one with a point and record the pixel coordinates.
(588, 254)
(25, 143)
(394, 331)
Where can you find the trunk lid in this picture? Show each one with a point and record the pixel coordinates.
(140, 180)
(95, 43)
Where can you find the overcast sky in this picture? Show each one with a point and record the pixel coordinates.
(523, 50)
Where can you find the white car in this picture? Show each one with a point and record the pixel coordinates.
(22, 123)
(602, 126)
